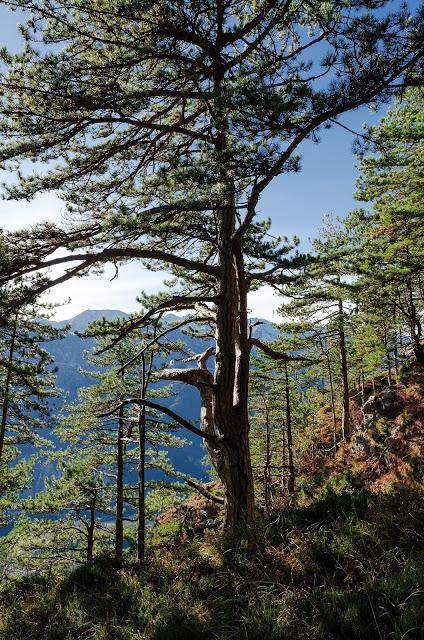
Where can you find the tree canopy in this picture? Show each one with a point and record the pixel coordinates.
(161, 124)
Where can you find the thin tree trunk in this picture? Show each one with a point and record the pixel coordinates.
(416, 327)
(344, 375)
(267, 470)
(396, 354)
(284, 460)
(291, 479)
(333, 405)
(90, 529)
(5, 408)
(119, 519)
(395, 347)
(389, 360)
(141, 519)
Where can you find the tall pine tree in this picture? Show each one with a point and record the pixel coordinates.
(169, 120)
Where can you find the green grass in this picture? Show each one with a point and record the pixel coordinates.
(350, 565)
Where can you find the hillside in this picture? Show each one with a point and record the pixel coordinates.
(216, 477)
(343, 560)
(388, 435)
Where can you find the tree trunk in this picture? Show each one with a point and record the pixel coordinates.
(416, 327)
(141, 519)
(344, 375)
(231, 380)
(292, 475)
(284, 460)
(119, 519)
(395, 346)
(267, 469)
(389, 359)
(333, 406)
(5, 408)
(396, 353)
(90, 530)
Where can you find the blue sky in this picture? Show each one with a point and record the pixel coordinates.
(296, 203)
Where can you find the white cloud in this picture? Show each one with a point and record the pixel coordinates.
(20, 214)
(263, 303)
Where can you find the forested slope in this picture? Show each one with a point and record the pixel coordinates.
(343, 559)
(164, 125)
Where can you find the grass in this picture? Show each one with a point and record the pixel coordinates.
(348, 565)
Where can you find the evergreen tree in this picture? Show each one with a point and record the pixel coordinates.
(80, 503)
(27, 384)
(125, 440)
(169, 120)
(389, 237)
(321, 296)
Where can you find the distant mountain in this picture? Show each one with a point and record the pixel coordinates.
(80, 322)
(69, 358)
(68, 354)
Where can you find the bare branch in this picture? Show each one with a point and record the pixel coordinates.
(153, 405)
(171, 304)
(155, 340)
(276, 355)
(201, 358)
(202, 490)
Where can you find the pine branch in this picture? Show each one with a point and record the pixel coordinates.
(204, 492)
(153, 405)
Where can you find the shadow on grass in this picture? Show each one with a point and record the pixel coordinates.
(351, 566)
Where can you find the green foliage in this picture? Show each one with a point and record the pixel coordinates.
(161, 124)
(27, 392)
(389, 237)
(166, 534)
(350, 570)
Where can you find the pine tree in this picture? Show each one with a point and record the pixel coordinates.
(170, 119)
(27, 387)
(78, 503)
(389, 237)
(322, 296)
(126, 439)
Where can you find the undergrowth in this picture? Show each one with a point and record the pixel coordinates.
(348, 565)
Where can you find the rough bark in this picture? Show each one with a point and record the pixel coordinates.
(231, 380)
(224, 412)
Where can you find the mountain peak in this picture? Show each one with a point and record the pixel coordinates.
(81, 320)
